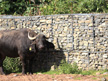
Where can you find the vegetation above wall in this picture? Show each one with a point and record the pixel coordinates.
(48, 7)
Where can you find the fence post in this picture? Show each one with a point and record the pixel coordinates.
(93, 21)
(51, 30)
(72, 36)
(72, 33)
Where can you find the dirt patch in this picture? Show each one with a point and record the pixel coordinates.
(54, 77)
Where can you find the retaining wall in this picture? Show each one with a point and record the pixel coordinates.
(80, 38)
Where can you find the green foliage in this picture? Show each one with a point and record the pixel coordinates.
(88, 6)
(56, 7)
(48, 7)
(10, 7)
(12, 65)
(77, 6)
(67, 68)
(30, 11)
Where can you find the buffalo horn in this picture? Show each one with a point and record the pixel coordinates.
(31, 38)
(48, 36)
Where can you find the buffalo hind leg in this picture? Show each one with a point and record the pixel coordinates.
(1, 64)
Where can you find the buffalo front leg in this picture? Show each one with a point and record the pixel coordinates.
(30, 64)
(24, 64)
(1, 64)
(24, 68)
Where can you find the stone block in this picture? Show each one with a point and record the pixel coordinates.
(85, 54)
(13, 28)
(86, 43)
(42, 21)
(91, 24)
(105, 56)
(48, 21)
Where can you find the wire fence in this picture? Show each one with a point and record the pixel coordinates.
(71, 32)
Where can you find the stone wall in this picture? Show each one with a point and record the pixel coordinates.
(81, 38)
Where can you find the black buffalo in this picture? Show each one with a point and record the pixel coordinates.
(23, 43)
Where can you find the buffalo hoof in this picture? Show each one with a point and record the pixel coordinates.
(30, 73)
(23, 73)
(2, 73)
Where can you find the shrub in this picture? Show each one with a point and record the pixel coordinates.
(67, 68)
(12, 65)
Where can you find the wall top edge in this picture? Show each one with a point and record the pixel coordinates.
(78, 14)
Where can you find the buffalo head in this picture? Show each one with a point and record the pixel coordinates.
(39, 40)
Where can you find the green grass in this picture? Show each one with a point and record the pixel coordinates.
(93, 72)
(51, 72)
(12, 65)
(94, 78)
(66, 68)
(77, 78)
(90, 72)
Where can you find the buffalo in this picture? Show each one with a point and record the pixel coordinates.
(23, 43)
